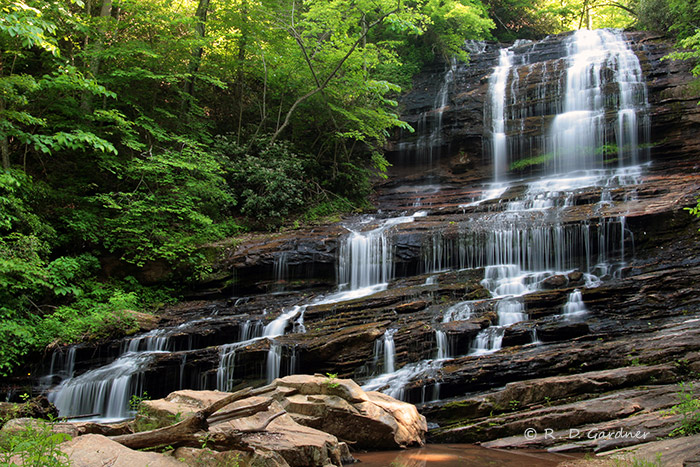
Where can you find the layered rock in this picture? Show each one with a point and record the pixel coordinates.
(339, 407)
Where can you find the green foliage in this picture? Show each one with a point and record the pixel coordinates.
(453, 21)
(34, 446)
(695, 210)
(270, 183)
(522, 164)
(689, 409)
(173, 203)
(634, 461)
(329, 209)
(690, 51)
(331, 380)
(680, 18)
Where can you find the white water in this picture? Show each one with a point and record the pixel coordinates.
(580, 130)
(443, 345)
(574, 306)
(519, 246)
(394, 383)
(104, 391)
(527, 241)
(389, 351)
(366, 257)
(497, 88)
(429, 144)
(62, 366)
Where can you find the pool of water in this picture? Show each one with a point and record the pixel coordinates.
(453, 455)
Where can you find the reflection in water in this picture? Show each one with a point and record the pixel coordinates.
(453, 455)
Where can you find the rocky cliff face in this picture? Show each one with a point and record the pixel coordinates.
(580, 317)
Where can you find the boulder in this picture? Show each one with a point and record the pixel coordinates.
(92, 450)
(319, 411)
(369, 420)
(257, 458)
(555, 282)
(299, 445)
(20, 424)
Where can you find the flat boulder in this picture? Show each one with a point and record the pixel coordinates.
(92, 450)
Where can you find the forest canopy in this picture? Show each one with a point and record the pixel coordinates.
(133, 132)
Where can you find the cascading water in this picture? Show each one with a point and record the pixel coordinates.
(389, 351)
(105, 391)
(366, 257)
(427, 148)
(497, 87)
(580, 133)
(592, 110)
(364, 267)
(586, 139)
(574, 305)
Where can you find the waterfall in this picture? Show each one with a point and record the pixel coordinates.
(579, 134)
(276, 328)
(552, 129)
(389, 351)
(497, 88)
(62, 366)
(366, 257)
(281, 269)
(104, 391)
(488, 340)
(458, 312)
(574, 305)
(443, 345)
(428, 146)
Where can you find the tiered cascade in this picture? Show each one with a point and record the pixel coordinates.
(552, 129)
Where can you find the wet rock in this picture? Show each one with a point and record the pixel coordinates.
(575, 278)
(604, 414)
(411, 307)
(532, 392)
(555, 282)
(561, 330)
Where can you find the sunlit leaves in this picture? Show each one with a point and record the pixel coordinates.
(26, 25)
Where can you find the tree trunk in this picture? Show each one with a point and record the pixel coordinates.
(94, 65)
(4, 144)
(320, 86)
(199, 28)
(242, 43)
(192, 430)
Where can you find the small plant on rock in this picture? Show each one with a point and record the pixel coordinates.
(331, 380)
(689, 409)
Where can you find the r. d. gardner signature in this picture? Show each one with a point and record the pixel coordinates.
(593, 433)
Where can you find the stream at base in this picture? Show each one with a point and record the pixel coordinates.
(454, 455)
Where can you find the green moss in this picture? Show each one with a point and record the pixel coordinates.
(522, 164)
